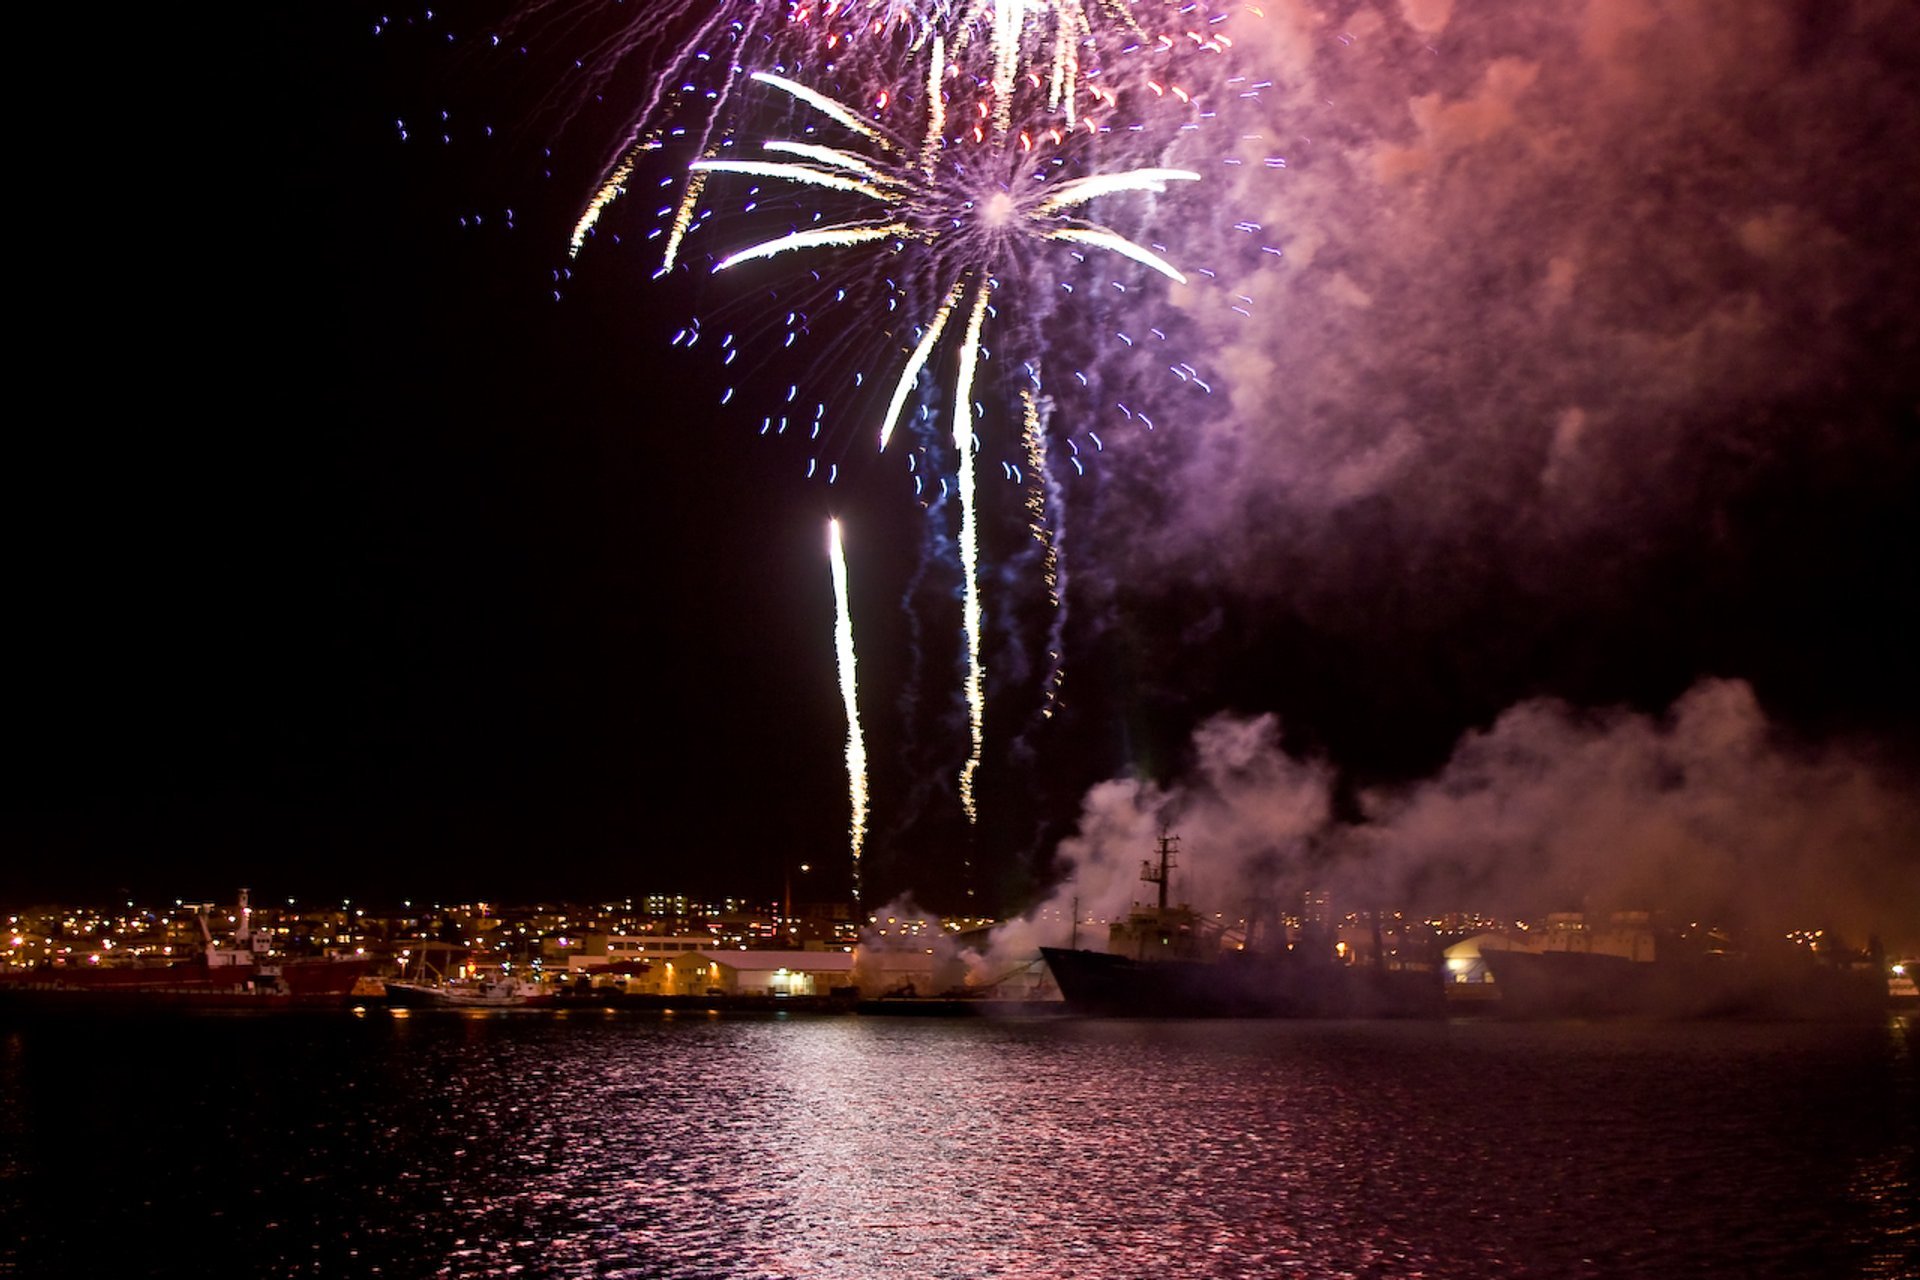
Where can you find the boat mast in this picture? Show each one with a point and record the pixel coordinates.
(1169, 846)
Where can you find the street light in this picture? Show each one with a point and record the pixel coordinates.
(787, 911)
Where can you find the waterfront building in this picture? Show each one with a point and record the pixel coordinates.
(756, 973)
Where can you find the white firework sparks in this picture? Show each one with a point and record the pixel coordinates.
(973, 222)
(970, 221)
(856, 744)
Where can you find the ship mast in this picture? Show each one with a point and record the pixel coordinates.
(1169, 846)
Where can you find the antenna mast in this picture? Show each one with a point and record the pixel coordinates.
(1169, 848)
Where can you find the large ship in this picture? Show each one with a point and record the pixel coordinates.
(240, 972)
(1630, 969)
(1164, 962)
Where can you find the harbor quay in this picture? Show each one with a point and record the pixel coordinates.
(673, 952)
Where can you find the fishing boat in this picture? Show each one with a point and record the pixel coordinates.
(428, 987)
(1164, 962)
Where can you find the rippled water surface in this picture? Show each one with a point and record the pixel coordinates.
(442, 1145)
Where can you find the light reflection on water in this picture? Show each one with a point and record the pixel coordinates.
(851, 1147)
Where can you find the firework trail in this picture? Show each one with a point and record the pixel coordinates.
(1044, 523)
(970, 550)
(856, 745)
(1040, 486)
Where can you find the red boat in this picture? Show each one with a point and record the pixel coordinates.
(239, 974)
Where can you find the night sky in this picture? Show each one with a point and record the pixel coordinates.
(1547, 536)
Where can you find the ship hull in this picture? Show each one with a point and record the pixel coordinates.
(1564, 984)
(1239, 986)
(191, 984)
(417, 995)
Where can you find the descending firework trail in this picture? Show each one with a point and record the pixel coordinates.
(856, 745)
(970, 222)
(935, 547)
(1044, 522)
(1046, 526)
(970, 550)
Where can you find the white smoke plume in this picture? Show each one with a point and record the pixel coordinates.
(1245, 814)
(1702, 811)
(1549, 270)
(903, 944)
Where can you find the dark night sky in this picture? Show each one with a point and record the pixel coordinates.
(1580, 421)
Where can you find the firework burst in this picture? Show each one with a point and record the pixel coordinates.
(919, 178)
(691, 62)
(971, 213)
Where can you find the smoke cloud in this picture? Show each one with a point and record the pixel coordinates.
(1704, 811)
(1574, 299)
(1552, 272)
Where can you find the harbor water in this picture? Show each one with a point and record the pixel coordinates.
(853, 1147)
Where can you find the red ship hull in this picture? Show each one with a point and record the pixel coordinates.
(188, 984)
